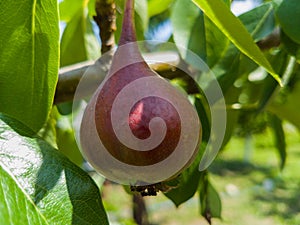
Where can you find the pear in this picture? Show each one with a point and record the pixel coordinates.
(137, 128)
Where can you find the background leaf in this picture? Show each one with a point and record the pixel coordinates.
(290, 46)
(259, 22)
(68, 8)
(194, 31)
(61, 191)
(279, 137)
(156, 7)
(288, 14)
(188, 29)
(221, 15)
(210, 201)
(285, 108)
(190, 177)
(78, 40)
(29, 59)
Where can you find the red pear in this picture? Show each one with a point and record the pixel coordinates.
(138, 129)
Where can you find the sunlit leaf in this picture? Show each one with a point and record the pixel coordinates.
(16, 207)
(60, 191)
(259, 23)
(232, 27)
(29, 56)
(68, 9)
(156, 7)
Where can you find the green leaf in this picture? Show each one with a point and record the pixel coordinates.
(78, 40)
(232, 114)
(279, 61)
(92, 8)
(195, 32)
(188, 183)
(290, 46)
(66, 139)
(189, 179)
(210, 201)
(279, 136)
(141, 8)
(213, 35)
(259, 21)
(287, 108)
(232, 27)
(29, 55)
(59, 190)
(156, 7)
(68, 9)
(188, 29)
(288, 14)
(16, 207)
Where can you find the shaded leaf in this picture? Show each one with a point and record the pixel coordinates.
(259, 21)
(232, 114)
(29, 59)
(279, 62)
(78, 41)
(188, 183)
(66, 139)
(189, 179)
(62, 192)
(290, 46)
(279, 137)
(188, 29)
(233, 64)
(288, 14)
(210, 201)
(213, 35)
(232, 27)
(195, 32)
(287, 108)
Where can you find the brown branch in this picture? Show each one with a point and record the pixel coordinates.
(69, 77)
(271, 41)
(106, 21)
(140, 213)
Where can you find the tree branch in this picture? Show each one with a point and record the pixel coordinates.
(70, 76)
(271, 41)
(106, 21)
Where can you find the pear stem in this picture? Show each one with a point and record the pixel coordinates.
(128, 33)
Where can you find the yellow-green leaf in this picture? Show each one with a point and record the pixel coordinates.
(232, 27)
